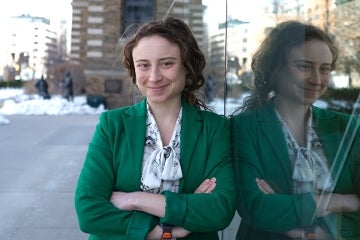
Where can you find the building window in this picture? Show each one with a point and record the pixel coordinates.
(95, 43)
(96, 9)
(95, 20)
(94, 54)
(137, 12)
(95, 31)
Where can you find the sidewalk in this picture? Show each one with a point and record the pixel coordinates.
(41, 157)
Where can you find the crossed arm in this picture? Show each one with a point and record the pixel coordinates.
(338, 203)
(155, 204)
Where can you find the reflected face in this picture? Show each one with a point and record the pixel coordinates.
(160, 73)
(306, 76)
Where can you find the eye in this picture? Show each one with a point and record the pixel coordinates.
(166, 64)
(303, 66)
(325, 69)
(143, 66)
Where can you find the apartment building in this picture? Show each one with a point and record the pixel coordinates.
(30, 47)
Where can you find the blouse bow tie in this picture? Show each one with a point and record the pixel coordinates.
(309, 167)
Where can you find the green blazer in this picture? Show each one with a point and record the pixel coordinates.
(260, 151)
(114, 163)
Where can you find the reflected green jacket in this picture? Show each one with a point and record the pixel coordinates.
(260, 151)
(114, 163)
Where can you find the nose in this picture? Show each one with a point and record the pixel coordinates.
(315, 76)
(155, 74)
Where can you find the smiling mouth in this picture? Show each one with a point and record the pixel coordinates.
(310, 89)
(158, 89)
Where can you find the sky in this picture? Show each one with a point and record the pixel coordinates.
(242, 10)
(54, 9)
(61, 9)
(57, 10)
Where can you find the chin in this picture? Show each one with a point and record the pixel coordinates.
(309, 102)
(156, 99)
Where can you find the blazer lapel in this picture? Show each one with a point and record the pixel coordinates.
(135, 130)
(271, 129)
(327, 127)
(191, 126)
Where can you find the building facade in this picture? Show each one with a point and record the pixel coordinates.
(31, 46)
(97, 27)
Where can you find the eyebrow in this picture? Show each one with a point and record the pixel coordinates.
(161, 59)
(302, 60)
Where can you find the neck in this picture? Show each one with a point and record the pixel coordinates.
(295, 116)
(291, 110)
(165, 116)
(166, 110)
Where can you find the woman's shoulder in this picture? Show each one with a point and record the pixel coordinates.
(211, 114)
(323, 113)
(204, 114)
(117, 116)
(213, 118)
(115, 112)
(243, 115)
(135, 109)
(249, 117)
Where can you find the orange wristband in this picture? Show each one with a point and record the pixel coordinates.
(166, 231)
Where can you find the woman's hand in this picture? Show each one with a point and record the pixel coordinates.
(264, 186)
(122, 200)
(207, 186)
(127, 201)
(320, 234)
(337, 203)
(177, 232)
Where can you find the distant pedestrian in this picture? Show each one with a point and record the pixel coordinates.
(42, 87)
(209, 87)
(67, 87)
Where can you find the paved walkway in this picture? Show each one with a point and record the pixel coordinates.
(41, 157)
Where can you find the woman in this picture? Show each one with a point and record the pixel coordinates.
(162, 168)
(285, 148)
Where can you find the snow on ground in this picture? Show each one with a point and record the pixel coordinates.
(14, 101)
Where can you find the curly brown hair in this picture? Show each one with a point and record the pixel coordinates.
(178, 32)
(272, 54)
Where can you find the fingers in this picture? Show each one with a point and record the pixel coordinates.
(113, 196)
(264, 186)
(207, 186)
(352, 203)
(343, 203)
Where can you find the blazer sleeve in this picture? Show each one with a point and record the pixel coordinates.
(96, 214)
(254, 158)
(204, 212)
